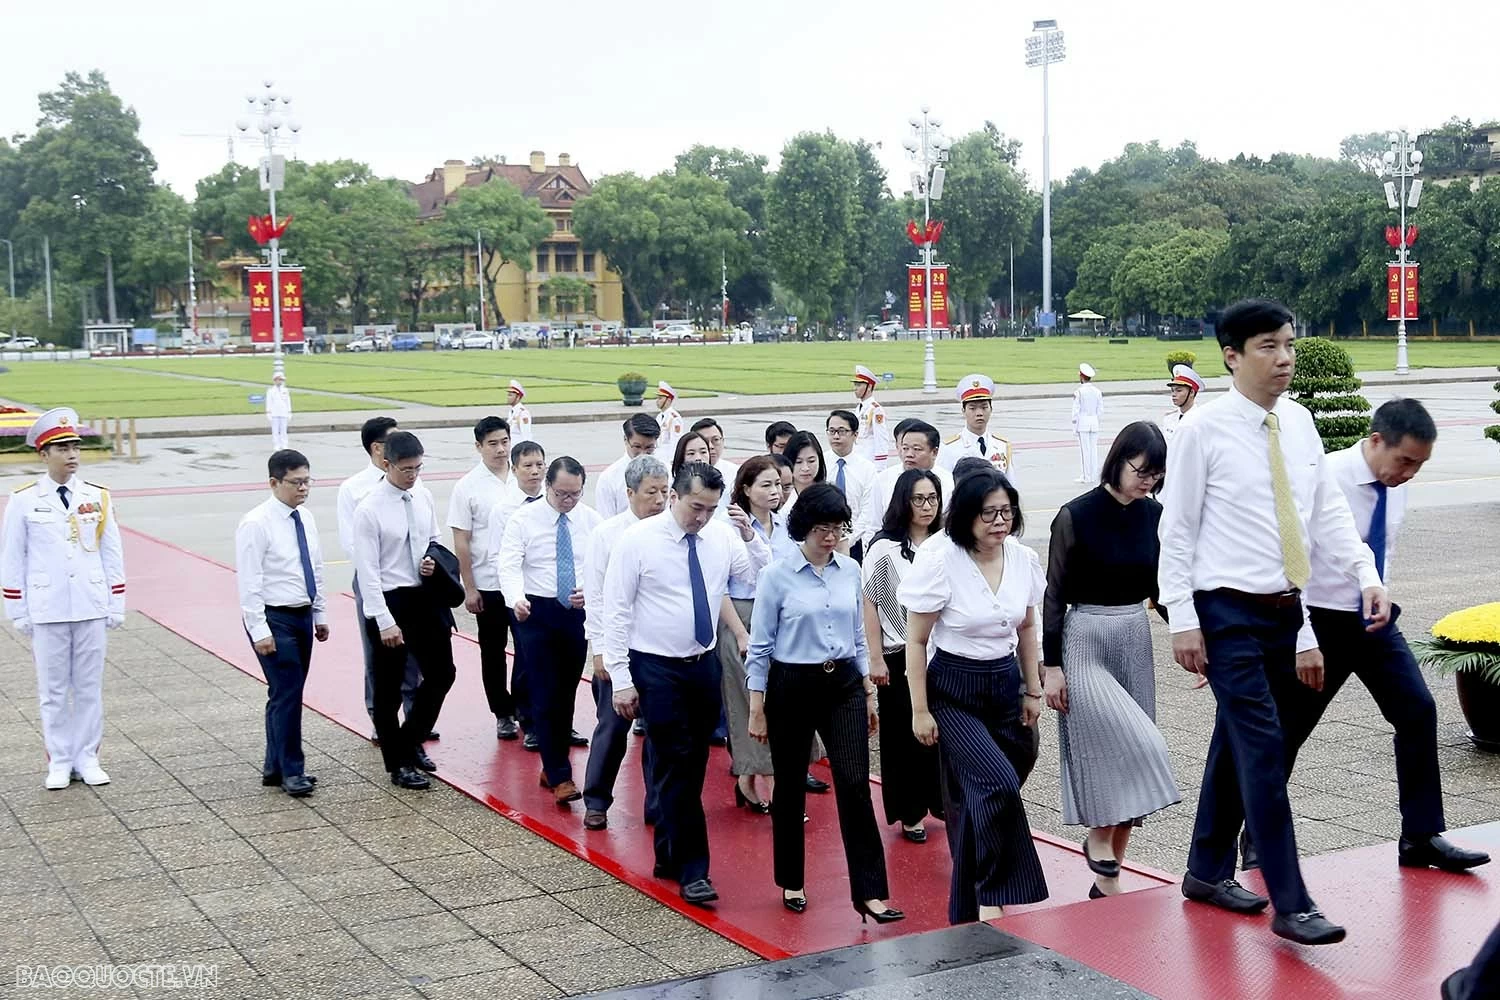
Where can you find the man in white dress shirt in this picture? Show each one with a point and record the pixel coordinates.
(474, 499)
(646, 480)
(663, 590)
(520, 417)
(918, 442)
(669, 419)
(1185, 384)
(278, 567)
(278, 410)
(1088, 407)
(62, 574)
(352, 492)
(853, 475)
(1248, 503)
(528, 463)
(641, 436)
(1372, 475)
(976, 395)
(542, 574)
(393, 527)
(711, 432)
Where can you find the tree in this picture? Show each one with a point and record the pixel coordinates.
(510, 225)
(986, 209)
(565, 294)
(1364, 150)
(619, 219)
(1324, 382)
(157, 257)
(811, 212)
(746, 181)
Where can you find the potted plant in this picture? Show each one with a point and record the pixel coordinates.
(1466, 644)
(632, 386)
(1175, 358)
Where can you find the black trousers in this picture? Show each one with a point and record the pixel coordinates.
(977, 705)
(554, 648)
(1252, 668)
(801, 700)
(680, 703)
(494, 628)
(1481, 979)
(910, 774)
(963, 904)
(409, 680)
(427, 634)
(607, 752)
(286, 673)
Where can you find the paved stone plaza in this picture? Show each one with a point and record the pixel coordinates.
(365, 892)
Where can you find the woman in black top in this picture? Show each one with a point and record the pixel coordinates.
(1096, 652)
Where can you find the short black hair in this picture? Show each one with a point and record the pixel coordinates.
(374, 432)
(642, 425)
(901, 428)
(806, 439)
(489, 425)
(521, 449)
(782, 462)
(681, 449)
(970, 464)
(896, 523)
(781, 428)
(284, 461)
(968, 501)
(845, 416)
(401, 445)
(1398, 418)
(707, 476)
(566, 465)
(934, 439)
(1140, 438)
(1250, 318)
(820, 503)
(704, 423)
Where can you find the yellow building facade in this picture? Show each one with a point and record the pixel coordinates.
(518, 293)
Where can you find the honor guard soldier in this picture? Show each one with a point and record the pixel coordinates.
(668, 419)
(520, 417)
(1185, 385)
(278, 410)
(976, 394)
(63, 579)
(875, 442)
(1088, 406)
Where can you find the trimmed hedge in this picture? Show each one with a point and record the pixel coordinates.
(1324, 382)
(1175, 358)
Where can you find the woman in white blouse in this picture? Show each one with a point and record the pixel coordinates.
(973, 593)
(910, 775)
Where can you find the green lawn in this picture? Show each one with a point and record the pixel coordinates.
(456, 378)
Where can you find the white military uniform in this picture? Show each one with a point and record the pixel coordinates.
(62, 574)
(1182, 375)
(1088, 406)
(279, 412)
(875, 442)
(1168, 422)
(520, 417)
(967, 444)
(670, 422)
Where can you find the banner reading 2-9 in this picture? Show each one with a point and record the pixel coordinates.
(262, 320)
(916, 305)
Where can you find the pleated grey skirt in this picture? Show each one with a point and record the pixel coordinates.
(1115, 767)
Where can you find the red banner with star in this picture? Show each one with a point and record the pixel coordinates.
(916, 305)
(1394, 298)
(262, 318)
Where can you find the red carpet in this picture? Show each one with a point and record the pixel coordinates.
(195, 597)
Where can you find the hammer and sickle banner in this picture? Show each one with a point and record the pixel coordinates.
(1393, 280)
(262, 320)
(916, 306)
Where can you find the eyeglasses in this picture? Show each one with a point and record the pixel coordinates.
(1143, 474)
(565, 495)
(834, 432)
(829, 530)
(410, 470)
(299, 484)
(990, 514)
(927, 501)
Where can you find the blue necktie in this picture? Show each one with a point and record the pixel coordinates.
(839, 482)
(564, 561)
(1377, 529)
(703, 627)
(62, 494)
(306, 557)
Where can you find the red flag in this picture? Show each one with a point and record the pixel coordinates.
(1393, 236)
(1411, 235)
(913, 232)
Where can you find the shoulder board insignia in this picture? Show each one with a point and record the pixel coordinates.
(102, 489)
(23, 489)
(952, 439)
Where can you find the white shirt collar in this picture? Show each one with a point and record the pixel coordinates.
(47, 484)
(1363, 474)
(1251, 410)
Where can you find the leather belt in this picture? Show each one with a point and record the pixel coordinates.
(1285, 599)
(827, 666)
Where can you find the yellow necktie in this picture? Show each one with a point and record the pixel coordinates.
(1293, 552)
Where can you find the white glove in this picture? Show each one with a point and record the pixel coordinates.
(115, 621)
(23, 626)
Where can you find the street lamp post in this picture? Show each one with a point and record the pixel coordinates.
(1043, 48)
(1402, 162)
(266, 110)
(930, 151)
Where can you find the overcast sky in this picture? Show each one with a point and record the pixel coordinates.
(627, 85)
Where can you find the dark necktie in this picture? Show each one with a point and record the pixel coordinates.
(840, 480)
(565, 574)
(530, 499)
(703, 628)
(981, 446)
(1377, 528)
(62, 494)
(306, 557)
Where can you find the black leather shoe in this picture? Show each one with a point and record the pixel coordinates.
(274, 780)
(1438, 852)
(577, 739)
(530, 743)
(797, 904)
(916, 836)
(718, 741)
(1227, 895)
(595, 819)
(432, 737)
(1095, 892)
(889, 915)
(638, 727)
(298, 785)
(1108, 869)
(506, 729)
(1453, 988)
(410, 777)
(699, 893)
(423, 761)
(815, 786)
(1249, 856)
(1306, 928)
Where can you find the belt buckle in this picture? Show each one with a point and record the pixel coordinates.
(828, 666)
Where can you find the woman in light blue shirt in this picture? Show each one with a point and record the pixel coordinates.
(808, 672)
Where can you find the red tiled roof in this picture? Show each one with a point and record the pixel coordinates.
(430, 199)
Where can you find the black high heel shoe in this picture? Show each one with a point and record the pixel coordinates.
(889, 915)
(1095, 892)
(754, 805)
(1109, 869)
(797, 904)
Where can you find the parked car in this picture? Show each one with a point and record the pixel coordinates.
(477, 340)
(677, 333)
(20, 344)
(406, 342)
(108, 349)
(891, 329)
(359, 344)
(530, 338)
(146, 348)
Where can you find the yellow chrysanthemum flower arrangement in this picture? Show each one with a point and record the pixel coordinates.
(1464, 641)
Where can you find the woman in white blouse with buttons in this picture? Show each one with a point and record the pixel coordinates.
(972, 593)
